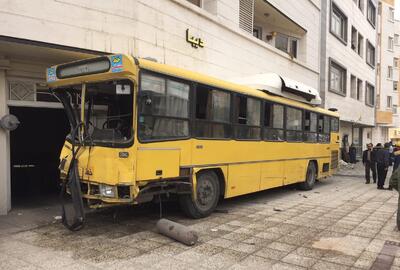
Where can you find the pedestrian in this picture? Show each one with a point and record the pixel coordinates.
(369, 162)
(382, 164)
(396, 154)
(353, 153)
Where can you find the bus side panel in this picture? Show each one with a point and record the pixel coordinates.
(272, 174)
(295, 171)
(157, 163)
(243, 179)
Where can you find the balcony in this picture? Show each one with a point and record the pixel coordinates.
(275, 28)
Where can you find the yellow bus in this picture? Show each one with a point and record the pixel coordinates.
(141, 129)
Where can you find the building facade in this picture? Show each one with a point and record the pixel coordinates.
(348, 67)
(240, 37)
(387, 98)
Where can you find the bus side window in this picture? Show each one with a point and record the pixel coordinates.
(310, 127)
(163, 108)
(334, 124)
(213, 108)
(273, 122)
(323, 129)
(247, 118)
(294, 125)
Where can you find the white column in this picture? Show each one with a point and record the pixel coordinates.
(5, 176)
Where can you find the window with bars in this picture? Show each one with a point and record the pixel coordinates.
(29, 91)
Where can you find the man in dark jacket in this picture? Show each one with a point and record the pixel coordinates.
(382, 163)
(369, 162)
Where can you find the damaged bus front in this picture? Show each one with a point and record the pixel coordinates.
(96, 161)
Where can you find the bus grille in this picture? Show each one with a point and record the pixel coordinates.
(334, 159)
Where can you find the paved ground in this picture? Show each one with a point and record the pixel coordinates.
(341, 224)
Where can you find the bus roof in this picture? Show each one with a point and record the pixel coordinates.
(209, 80)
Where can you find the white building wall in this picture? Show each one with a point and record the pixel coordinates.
(157, 29)
(350, 109)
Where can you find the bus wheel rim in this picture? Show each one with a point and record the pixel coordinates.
(205, 193)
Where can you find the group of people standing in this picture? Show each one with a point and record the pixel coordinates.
(377, 160)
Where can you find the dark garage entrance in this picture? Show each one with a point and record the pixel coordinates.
(35, 147)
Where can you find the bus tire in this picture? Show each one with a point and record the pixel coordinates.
(207, 196)
(311, 176)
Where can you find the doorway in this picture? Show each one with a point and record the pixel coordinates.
(35, 147)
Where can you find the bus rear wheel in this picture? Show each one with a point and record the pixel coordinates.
(311, 176)
(207, 196)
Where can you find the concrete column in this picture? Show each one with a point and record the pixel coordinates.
(5, 176)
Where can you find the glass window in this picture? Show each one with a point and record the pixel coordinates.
(390, 72)
(287, 44)
(338, 23)
(395, 83)
(163, 108)
(247, 118)
(371, 12)
(370, 54)
(273, 117)
(323, 128)
(334, 124)
(310, 126)
(212, 113)
(369, 94)
(390, 43)
(337, 78)
(294, 124)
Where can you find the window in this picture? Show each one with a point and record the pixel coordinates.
(359, 89)
(310, 127)
(257, 32)
(371, 13)
(395, 85)
(334, 124)
(369, 94)
(294, 125)
(338, 23)
(390, 43)
(370, 54)
(390, 72)
(395, 62)
(353, 87)
(354, 36)
(195, 2)
(360, 45)
(273, 122)
(391, 14)
(212, 113)
(247, 118)
(337, 78)
(396, 39)
(394, 108)
(163, 108)
(286, 44)
(389, 102)
(323, 128)
(361, 5)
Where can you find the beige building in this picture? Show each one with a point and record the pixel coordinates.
(387, 99)
(241, 37)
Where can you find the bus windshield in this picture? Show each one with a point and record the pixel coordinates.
(108, 112)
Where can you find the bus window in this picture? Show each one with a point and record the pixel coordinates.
(310, 127)
(334, 124)
(273, 122)
(247, 118)
(212, 113)
(294, 125)
(323, 128)
(163, 108)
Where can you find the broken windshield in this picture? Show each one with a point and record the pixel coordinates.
(108, 112)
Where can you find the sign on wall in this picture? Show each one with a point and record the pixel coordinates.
(196, 42)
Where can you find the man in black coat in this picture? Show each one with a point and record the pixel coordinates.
(369, 162)
(382, 163)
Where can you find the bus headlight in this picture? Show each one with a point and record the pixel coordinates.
(107, 191)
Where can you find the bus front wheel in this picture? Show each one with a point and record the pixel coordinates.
(311, 176)
(207, 195)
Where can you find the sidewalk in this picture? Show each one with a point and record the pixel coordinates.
(341, 224)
